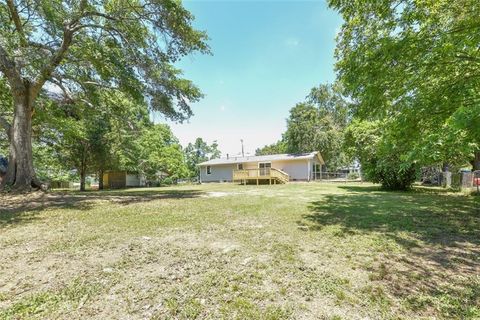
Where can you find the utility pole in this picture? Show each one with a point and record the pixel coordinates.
(243, 154)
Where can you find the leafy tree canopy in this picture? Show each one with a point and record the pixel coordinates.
(76, 47)
(160, 153)
(198, 152)
(278, 147)
(318, 124)
(417, 65)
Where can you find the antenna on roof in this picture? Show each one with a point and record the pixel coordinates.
(243, 154)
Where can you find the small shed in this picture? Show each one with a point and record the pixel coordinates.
(123, 179)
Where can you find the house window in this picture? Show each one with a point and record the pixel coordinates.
(240, 166)
(264, 168)
(209, 170)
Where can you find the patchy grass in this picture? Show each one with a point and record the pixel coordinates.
(303, 251)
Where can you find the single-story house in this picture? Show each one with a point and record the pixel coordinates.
(275, 168)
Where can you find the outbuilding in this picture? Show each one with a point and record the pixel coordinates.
(123, 179)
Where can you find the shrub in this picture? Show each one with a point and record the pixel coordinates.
(391, 174)
(382, 157)
(353, 176)
(168, 181)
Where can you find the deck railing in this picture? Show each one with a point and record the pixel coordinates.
(260, 173)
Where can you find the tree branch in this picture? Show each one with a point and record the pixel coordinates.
(69, 28)
(16, 20)
(41, 46)
(58, 82)
(99, 14)
(55, 60)
(8, 67)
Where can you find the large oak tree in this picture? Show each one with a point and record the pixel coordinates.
(318, 124)
(415, 64)
(72, 46)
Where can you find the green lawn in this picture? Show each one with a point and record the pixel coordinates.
(299, 251)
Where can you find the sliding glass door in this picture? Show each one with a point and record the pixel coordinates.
(264, 168)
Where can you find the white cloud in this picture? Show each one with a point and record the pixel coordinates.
(222, 108)
(291, 42)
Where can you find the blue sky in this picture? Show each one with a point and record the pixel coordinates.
(267, 55)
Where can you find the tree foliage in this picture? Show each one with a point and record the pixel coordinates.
(78, 46)
(159, 153)
(416, 65)
(200, 151)
(318, 124)
(380, 155)
(278, 147)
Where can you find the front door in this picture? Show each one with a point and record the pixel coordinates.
(264, 168)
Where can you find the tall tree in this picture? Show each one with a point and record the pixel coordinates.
(198, 152)
(115, 131)
(160, 153)
(318, 124)
(127, 44)
(278, 147)
(417, 65)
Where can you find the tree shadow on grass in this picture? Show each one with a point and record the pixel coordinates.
(16, 209)
(428, 217)
(440, 235)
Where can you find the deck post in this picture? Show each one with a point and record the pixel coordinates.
(269, 181)
(257, 182)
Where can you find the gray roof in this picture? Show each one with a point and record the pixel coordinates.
(270, 157)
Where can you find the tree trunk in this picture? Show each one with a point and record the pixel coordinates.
(82, 179)
(83, 164)
(20, 173)
(476, 161)
(100, 180)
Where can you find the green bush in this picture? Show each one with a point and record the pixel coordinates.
(391, 173)
(353, 176)
(168, 181)
(382, 157)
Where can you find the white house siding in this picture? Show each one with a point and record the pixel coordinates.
(133, 180)
(296, 169)
(250, 165)
(142, 180)
(219, 173)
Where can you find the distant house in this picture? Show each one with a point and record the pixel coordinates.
(275, 168)
(129, 179)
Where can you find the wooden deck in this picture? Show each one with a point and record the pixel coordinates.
(272, 175)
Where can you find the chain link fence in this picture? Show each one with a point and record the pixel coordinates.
(336, 176)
